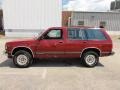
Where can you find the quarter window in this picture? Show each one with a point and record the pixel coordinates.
(95, 34)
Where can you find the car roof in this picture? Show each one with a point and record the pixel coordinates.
(85, 27)
(81, 27)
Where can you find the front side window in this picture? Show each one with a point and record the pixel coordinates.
(75, 33)
(54, 34)
(95, 34)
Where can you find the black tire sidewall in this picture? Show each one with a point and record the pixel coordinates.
(27, 54)
(90, 53)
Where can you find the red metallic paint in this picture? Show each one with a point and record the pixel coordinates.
(63, 48)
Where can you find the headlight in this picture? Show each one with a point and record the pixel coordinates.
(6, 47)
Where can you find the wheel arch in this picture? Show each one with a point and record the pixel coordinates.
(97, 50)
(14, 50)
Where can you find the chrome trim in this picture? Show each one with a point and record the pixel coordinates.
(22, 47)
(49, 53)
(57, 52)
(90, 59)
(22, 60)
(72, 52)
(89, 48)
(105, 52)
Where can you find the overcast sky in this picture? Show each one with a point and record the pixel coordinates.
(87, 5)
(1, 1)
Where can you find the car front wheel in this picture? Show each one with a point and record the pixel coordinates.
(22, 59)
(90, 59)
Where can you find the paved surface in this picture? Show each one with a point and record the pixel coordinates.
(61, 75)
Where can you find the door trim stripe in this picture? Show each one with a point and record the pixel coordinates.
(58, 53)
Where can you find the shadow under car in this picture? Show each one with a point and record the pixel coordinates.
(49, 63)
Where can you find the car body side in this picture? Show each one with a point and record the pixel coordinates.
(62, 48)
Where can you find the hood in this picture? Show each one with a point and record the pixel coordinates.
(22, 42)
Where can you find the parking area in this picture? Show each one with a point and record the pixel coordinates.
(61, 74)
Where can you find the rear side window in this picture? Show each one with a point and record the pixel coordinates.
(76, 33)
(95, 34)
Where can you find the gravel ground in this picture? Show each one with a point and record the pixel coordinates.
(62, 74)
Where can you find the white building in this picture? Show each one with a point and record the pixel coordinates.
(25, 18)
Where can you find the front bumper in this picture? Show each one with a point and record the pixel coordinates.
(8, 54)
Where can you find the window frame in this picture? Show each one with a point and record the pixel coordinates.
(53, 38)
(85, 36)
(95, 36)
(81, 30)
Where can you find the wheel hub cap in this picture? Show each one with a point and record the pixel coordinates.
(90, 59)
(22, 59)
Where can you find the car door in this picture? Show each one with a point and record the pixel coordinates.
(75, 43)
(52, 44)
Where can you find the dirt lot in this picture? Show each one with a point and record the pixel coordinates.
(61, 75)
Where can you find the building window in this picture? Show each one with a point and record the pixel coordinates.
(103, 24)
(81, 23)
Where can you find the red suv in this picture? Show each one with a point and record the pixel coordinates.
(85, 43)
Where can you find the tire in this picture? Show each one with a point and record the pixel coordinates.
(22, 59)
(90, 59)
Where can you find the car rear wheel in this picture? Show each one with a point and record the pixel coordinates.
(90, 59)
(22, 59)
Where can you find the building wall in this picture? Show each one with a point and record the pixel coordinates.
(28, 17)
(111, 19)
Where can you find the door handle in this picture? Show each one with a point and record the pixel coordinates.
(60, 42)
(85, 42)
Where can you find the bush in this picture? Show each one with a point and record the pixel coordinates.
(2, 33)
